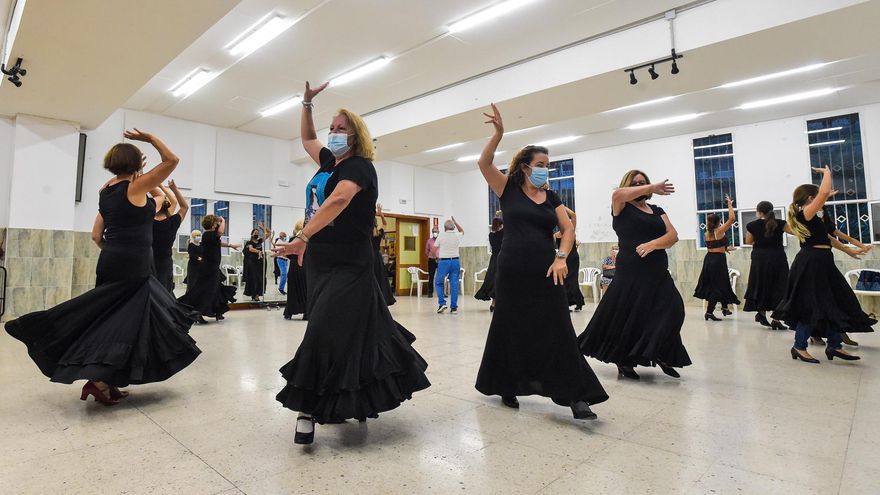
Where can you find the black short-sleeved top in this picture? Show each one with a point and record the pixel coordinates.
(211, 248)
(818, 230)
(355, 222)
(528, 224)
(495, 240)
(164, 234)
(633, 226)
(258, 245)
(194, 251)
(758, 230)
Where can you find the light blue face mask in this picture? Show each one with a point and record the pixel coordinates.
(539, 176)
(337, 142)
(197, 238)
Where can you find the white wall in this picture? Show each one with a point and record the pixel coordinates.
(7, 129)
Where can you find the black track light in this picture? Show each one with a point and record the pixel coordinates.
(632, 77)
(653, 73)
(674, 67)
(15, 73)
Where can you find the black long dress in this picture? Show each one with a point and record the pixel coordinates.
(487, 290)
(817, 294)
(164, 235)
(194, 251)
(768, 274)
(572, 287)
(714, 282)
(254, 272)
(380, 272)
(531, 347)
(297, 290)
(208, 295)
(354, 361)
(127, 330)
(638, 321)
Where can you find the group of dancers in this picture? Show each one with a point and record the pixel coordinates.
(355, 361)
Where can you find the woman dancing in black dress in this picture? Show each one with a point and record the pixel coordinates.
(714, 282)
(165, 227)
(194, 253)
(572, 286)
(254, 265)
(496, 237)
(818, 299)
(638, 321)
(297, 288)
(531, 347)
(208, 294)
(128, 329)
(379, 270)
(768, 273)
(354, 361)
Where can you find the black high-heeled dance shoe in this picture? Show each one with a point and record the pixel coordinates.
(776, 325)
(669, 370)
(710, 316)
(762, 320)
(202, 320)
(581, 410)
(627, 372)
(817, 340)
(510, 402)
(832, 353)
(301, 438)
(797, 355)
(726, 312)
(848, 341)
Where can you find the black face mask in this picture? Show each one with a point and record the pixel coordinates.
(254, 236)
(641, 198)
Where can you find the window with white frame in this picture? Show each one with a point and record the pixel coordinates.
(714, 180)
(837, 142)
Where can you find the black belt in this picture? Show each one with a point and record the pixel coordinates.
(444, 259)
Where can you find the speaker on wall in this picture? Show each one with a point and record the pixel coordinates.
(80, 165)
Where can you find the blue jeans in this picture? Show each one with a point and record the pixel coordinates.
(282, 265)
(447, 268)
(802, 333)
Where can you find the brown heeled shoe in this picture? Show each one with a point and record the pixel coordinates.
(117, 394)
(91, 389)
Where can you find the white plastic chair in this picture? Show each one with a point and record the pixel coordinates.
(231, 272)
(415, 280)
(479, 281)
(177, 270)
(589, 276)
(734, 274)
(853, 277)
(461, 273)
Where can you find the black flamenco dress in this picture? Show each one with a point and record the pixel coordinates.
(638, 321)
(194, 251)
(254, 272)
(768, 273)
(297, 290)
(531, 347)
(164, 235)
(572, 287)
(127, 330)
(487, 290)
(380, 272)
(714, 282)
(207, 294)
(354, 361)
(817, 294)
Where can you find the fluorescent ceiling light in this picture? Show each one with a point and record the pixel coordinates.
(826, 143)
(712, 145)
(774, 75)
(724, 155)
(642, 104)
(442, 148)
(486, 15)
(12, 32)
(665, 121)
(562, 178)
(192, 82)
(471, 158)
(221, 209)
(510, 133)
(360, 71)
(562, 140)
(827, 129)
(280, 107)
(264, 31)
(788, 98)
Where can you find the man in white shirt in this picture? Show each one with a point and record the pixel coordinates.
(448, 264)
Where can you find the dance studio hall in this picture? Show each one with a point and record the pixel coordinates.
(463, 246)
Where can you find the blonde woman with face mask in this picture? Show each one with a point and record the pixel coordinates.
(194, 252)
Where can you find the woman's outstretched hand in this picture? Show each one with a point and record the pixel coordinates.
(296, 247)
(664, 188)
(495, 119)
(311, 93)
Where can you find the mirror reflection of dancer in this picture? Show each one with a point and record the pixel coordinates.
(209, 295)
(714, 282)
(165, 227)
(768, 273)
(297, 287)
(638, 321)
(254, 262)
(496, 238)
(818, 299)
(354, 361)
(531, 347)
(104, 335)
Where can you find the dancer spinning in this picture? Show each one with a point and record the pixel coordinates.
(165, 229)
(128, 329)
(208, 294)
(818, 298)
(297, 288)
(496, 237)
(378, 263)
(572, 287)
(354, 361)
(768, 273)
(638, 321)
(531, 347)
(714, 282)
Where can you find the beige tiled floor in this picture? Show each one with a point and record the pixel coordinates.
(744, 418)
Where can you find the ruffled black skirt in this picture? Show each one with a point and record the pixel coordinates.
(354, 361)
(714, 282)
(296, 290)
(207, 294)
(165, 272)
(768, 276)
(572, 288)
(818, 295)
(125, 332)
(487, 290)
(639, 319)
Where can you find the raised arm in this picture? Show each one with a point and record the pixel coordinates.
(381, 215)
(158, 195)
(622, 195)
(181, 199)
(307, 133)
(731, 217)
(493, 176)
(98, 231)
(457, 226)
(169, 195)
(157, 175)
(811, 209)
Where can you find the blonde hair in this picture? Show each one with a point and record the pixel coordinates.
(194, 233)
(627, 179)
(299, 224)
(363, 145)
(798, 199)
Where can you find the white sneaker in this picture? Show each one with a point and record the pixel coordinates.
(442, 308)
